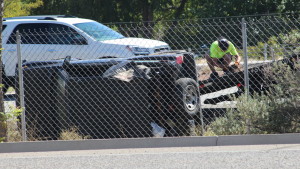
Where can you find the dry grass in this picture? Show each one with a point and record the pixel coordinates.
(71, 134)
(13, 133)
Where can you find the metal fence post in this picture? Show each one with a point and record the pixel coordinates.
(21, 87)
(246, 73)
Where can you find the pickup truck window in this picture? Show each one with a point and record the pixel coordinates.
(46, 33)
(98, 31)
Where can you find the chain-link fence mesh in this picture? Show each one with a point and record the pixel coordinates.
(90, 82)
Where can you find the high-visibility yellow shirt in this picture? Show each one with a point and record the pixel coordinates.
(217, 52)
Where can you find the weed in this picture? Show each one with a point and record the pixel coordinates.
(11, 119)
(71, 134)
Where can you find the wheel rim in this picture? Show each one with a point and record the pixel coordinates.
(191, 98)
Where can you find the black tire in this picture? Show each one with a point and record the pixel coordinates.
(187, 104)
(187, 96)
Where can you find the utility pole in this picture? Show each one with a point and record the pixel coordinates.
(3, 126)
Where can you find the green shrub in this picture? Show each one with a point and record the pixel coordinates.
(10, 119)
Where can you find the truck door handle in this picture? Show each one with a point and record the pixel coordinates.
(51, 50)
(11, 50)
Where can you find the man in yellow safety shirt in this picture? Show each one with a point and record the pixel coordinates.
(221, 53)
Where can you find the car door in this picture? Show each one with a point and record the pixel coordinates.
(65, 41)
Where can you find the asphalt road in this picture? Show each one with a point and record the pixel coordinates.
(240, 157)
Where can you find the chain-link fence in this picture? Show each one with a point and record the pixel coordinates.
(89, 81)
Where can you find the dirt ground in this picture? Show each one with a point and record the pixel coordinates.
(204, 71)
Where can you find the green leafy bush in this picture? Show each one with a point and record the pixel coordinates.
(10, 119)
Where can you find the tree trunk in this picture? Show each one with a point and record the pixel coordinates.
(3, 126)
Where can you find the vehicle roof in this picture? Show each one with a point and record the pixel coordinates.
(46, 19)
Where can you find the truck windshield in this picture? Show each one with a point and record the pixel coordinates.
(99, 31)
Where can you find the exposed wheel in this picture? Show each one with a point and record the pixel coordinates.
(186, 104)
(187, 96)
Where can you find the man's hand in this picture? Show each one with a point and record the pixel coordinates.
(236, 64)
(237, 61)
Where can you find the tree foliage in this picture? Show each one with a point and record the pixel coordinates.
(115, 10)
(150, 10)
(20, 7)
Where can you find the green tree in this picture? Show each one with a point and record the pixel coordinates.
(150, 10)
(216, 8)
(115, 10)
(20, 7)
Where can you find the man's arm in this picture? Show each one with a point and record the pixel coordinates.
(236, 55)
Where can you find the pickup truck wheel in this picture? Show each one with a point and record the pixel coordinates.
(187, 100)
(187, 96)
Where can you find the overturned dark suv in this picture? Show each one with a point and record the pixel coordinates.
(113, 97)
